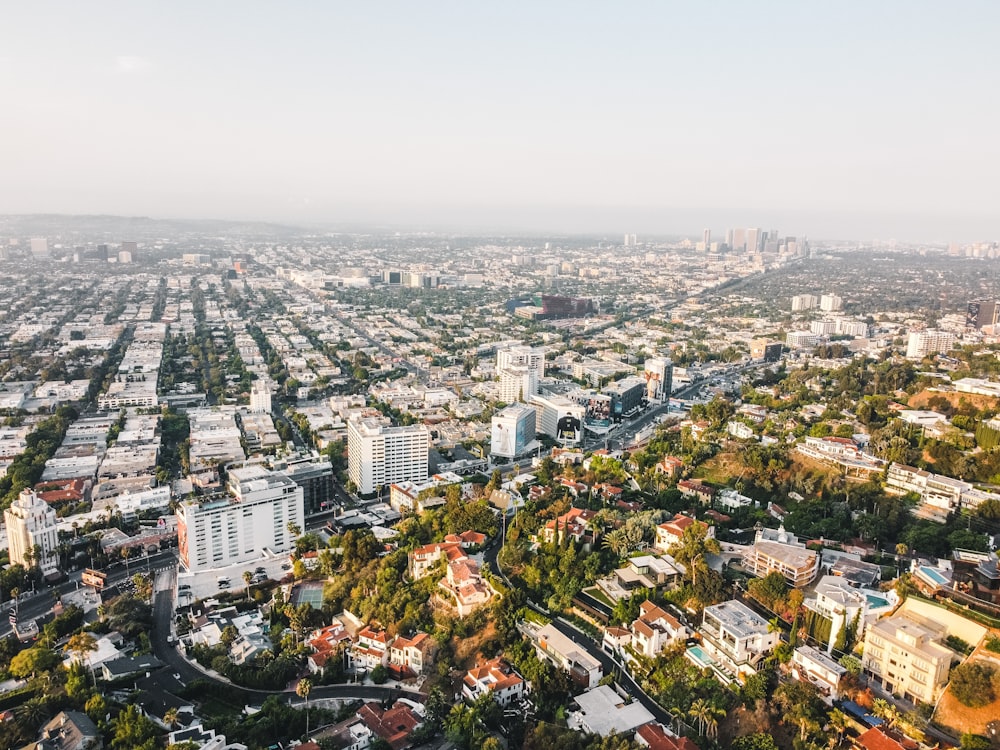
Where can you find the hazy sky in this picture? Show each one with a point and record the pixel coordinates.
(842, 119)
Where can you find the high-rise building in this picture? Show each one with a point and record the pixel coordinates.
(802, 302)
(517, 383)
(32, 535)
(920, 344)
(520, 355)
(260, 398)
(131, 248)
(314, 474)
(706, 237)
(102, 253)
(558, 417)
(659, 374)
(378, 455)
(739, 242)
(512, 431)
(39, 247)
(252, 518)
(830, 303)
(982, 313)
(753, 240)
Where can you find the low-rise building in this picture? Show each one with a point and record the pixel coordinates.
(566, 654)
(410, 657)
(781, 552)
(654, 630)
(497, 679)
(737, 636)
(371, 649)
(904, 655)
(819, 670)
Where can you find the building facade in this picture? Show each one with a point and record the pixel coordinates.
(253, 517)
(378, 455)
(906, 658)
(32, 537)
(512, 431)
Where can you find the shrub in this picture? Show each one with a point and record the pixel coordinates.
(972, 684)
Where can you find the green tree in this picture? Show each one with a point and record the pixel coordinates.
(302, 689)
(131, 730)
(971, 683)
(31, 661)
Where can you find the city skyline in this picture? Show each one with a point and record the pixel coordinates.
(848, 122)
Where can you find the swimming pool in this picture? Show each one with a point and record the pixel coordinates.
(933, 575)
(699, 657)
(876, 602)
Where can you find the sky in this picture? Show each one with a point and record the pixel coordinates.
(852, 119)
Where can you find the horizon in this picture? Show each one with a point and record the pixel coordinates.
(848, 121)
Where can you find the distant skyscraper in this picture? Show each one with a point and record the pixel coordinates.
(753, 240)
(830, 303)
(102, 253)
(706, 237)
(39, 247)
(630, 240)
(739, 242)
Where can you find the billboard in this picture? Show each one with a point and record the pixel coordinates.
(568, 430)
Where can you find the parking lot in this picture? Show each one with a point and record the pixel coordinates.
(205, 583)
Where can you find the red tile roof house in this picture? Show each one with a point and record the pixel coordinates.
(496, 678)
(411, 657)
(574, 522)
(394, 725)
(372, 647)
(655, 737)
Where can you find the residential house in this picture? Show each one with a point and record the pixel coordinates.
(423, 559)
(730, 499)
(668, 534)
(672, 466)
(657, 737)
(371, 648)
(566, 654)
(467, 539)
(327, 643)
(813, 666)
(642, 572)
(574, 523)
(497, 679)
(410, 657)
(394, 725)
(603, 711)
(696, 489)
(466, 585)
(736, 636)
(68, 730)
(654, 629)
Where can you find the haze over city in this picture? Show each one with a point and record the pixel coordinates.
(848, 121)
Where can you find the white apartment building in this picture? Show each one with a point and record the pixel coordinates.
(237, 527)
(848, 327)
(517, 383)
(802, 302)
(781, 552)
(658, 372)
(559, 417)
(905, 657)
(800, 339)
(520, 355)
(830, 303)
(512, 431)
(31, 524)
(260, 398)
(378, 455)
(823, 327)
(920, 344)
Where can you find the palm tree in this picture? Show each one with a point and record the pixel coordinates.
(81, 644)
(170, 717)
(701, 711)
(302, 690)
(247, 578)
(838, 723)
(712, 722)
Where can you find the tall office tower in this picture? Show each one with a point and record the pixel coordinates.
(518, 383)
(982, 313)
(739, 242)
(39, 247)
(260, 398)
(920, 344)
(706, 237)
(830, 303)
(802, 302)
(628, 237)
(512, 430)
(659, 374)
(32, 535)
(753, 240)
(520, 355)
(102, 253)
(314, 474)
(252, 518)
(131, 248)
(378, 455)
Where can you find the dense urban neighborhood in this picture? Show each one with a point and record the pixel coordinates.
(265, 487)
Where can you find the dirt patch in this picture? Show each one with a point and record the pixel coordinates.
(920, 400)
(952, 714)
